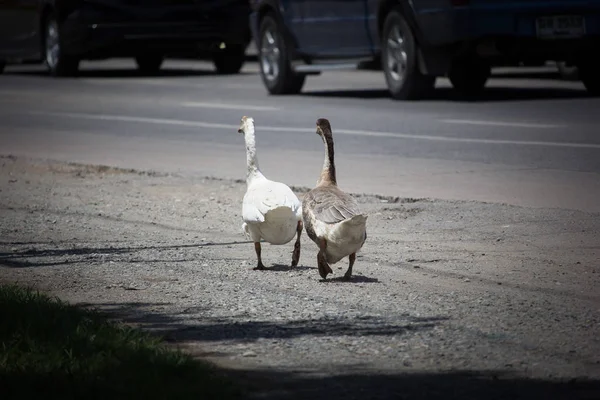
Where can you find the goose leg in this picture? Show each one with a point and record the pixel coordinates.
(324, 267)
(348, 274)
(260, 264)
(296, 253)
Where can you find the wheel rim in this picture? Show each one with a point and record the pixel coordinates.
(397, 58)
(269, 55)
(52, 44)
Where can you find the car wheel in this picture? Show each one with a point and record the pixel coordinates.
(275, 68)
(58, 63)
(399, 60)
(149, 64)
(589, 74)
(469, 75)
(230, 60)
(2, 66)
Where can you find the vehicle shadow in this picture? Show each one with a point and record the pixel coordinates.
(543, 75)
(490, 94)
(126, 73)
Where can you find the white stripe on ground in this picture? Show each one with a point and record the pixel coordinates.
(202, 124)
(502, 123)
(229, 106)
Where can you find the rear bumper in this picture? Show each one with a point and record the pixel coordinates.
(512, 25)
(521, 49)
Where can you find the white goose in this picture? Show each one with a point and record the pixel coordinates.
(332, 217)
(270, 210)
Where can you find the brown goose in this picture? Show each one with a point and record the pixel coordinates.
(332, 218)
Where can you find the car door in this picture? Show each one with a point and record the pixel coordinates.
(19, 28)
(292, 13)
(334, 28)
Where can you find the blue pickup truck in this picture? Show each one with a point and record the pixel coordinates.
(419, 40)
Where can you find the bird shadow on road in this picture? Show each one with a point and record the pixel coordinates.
(42, 257)
(353, 279)
(287, 268)
(490, 94)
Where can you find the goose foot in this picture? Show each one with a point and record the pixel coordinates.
(324, 267)
(260, 265)
(296, 252)
(348, 274)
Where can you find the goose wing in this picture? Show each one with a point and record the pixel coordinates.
(331, 205)
(267, 196)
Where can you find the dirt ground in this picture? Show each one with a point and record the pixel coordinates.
(448, 300)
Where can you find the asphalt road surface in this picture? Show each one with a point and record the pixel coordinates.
(531, 140)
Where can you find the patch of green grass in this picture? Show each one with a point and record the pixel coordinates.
(49, 349)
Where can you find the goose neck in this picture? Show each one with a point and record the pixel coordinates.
(328, 172)
(251, 158)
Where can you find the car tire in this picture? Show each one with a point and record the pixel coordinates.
(230, 60)
(399, 60)
(469, 74)
(273, 56)
(149, 64)
(589, 74)
(2, 66)
(57, 63)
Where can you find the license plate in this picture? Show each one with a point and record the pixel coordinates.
(560, 26)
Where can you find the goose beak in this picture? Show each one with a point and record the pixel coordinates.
(242, 124)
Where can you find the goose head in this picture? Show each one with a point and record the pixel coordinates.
(246, 125)
(324, 128)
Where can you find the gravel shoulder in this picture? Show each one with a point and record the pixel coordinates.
(449, 299)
